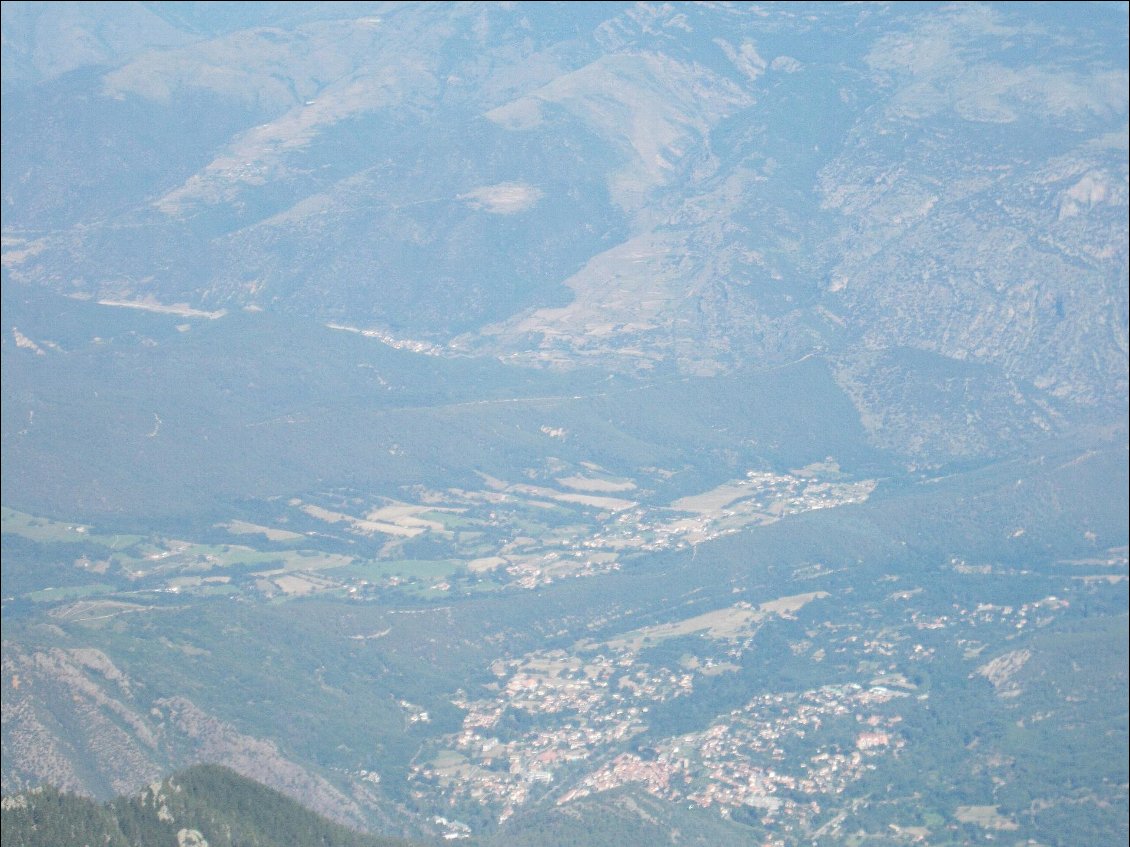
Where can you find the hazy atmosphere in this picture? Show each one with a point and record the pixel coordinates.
(564, 424)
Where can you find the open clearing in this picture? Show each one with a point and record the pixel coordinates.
(587, 483)
(362, 525)
(271, 534)
(986, 817)
(713, 500)
(729, 624)
(182, 309)
(48, 531)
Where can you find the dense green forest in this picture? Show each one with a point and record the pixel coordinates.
(203, 805)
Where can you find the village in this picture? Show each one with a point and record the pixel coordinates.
(563, 725)
(527, 535)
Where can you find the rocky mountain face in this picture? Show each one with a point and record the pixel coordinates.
(196, 807)
(73, 720)
(931, 195)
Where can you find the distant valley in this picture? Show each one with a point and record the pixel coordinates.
(590, 424)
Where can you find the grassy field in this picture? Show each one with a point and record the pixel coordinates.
(47, 531)
(987, 817)
(270, 533)
(721, 624)
(71, 592)
(412, 568)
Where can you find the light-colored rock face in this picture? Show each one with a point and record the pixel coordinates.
(127, 736)
(1002, 670)
(190, 838)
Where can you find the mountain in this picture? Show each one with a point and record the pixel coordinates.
(572, 423)
(203, 805)
(939, 218)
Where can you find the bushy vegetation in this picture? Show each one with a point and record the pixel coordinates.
(226, 809)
